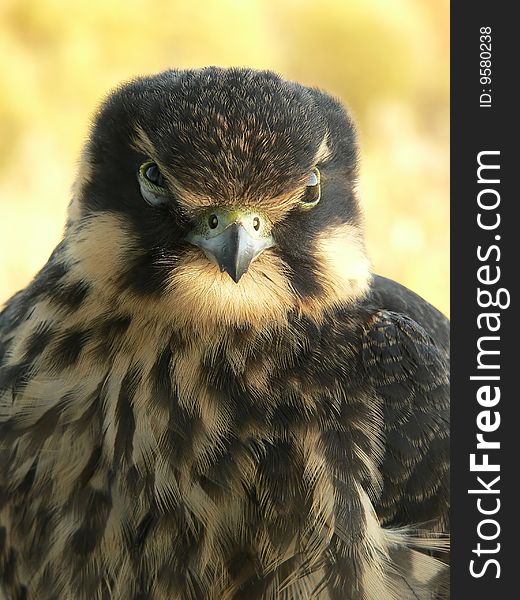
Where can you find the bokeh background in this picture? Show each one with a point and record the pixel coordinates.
(386, 59)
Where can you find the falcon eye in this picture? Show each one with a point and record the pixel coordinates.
(312, 194)
(153, 175)
(152, 183)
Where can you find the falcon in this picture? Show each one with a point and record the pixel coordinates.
(205, 393)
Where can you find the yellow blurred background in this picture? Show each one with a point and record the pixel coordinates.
(388, 60)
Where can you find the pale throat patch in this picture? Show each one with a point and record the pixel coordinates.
(101, 245)
(200, 294)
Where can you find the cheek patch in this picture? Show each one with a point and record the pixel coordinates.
(101, 249)
(344, 269)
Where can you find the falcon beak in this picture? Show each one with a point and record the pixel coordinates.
(232, 238)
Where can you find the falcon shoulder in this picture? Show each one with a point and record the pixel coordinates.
(405, 357)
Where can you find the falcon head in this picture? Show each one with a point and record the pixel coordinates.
(219, 196)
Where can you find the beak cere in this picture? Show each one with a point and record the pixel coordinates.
(232, 239)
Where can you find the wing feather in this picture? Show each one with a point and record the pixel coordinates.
(410, 372)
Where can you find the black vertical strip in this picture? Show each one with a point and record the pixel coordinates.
(483, 121)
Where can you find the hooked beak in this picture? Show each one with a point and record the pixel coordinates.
(232, 239)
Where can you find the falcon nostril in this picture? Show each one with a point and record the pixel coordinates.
(213, 221)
